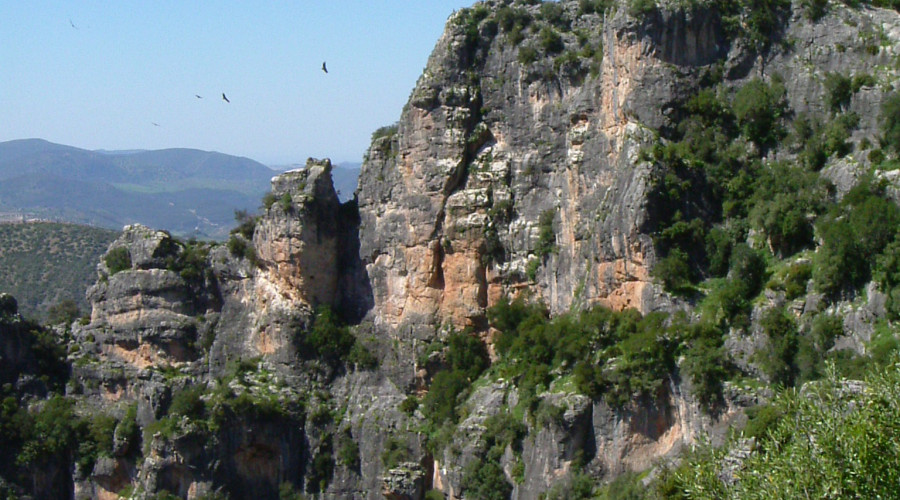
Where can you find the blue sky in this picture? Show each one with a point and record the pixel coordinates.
(125, 65)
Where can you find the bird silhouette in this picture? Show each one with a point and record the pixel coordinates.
(224, 98)
(155, 124)
(198, 96)
(324, 68)
(72, 24)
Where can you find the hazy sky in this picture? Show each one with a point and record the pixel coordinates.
(98, 75)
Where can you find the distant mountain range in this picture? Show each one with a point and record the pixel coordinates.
(185, 191)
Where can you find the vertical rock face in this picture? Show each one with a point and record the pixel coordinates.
(298, 247)
(506, 176)
(510, 173)
(306, 257)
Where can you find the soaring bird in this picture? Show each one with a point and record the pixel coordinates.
(198, 96)
(225, 98)
(324, 68)
(155, 124)
(72, 24)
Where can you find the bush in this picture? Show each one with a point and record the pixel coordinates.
(63, 312)
(395, 452)
(779, 362)
(889, 121)
(409, 405)
(641, 8)
(761, 419)
(191, 262)
(467, 354)
(268, 200)
(513, 22)
(527, 55)
(554, 14)
(240, 248)
(593, 6)
(838, 91)
(51, 435)
(837, 133)
(785, 198)
(748, 269)
(887, 273)
(762, 19)
(246, 223)
(434, 495)
(759, 107)
(127, 430)
(348, 451)
(439, 405)
(485, 480)
(321, 469)
(328, 337)
(95, 440)
(854, 233)
(551, 41)
(118, 259)
(795, 282)
(286, 202)
(705, 363)
(188, 403)
(719, 244)
(674, 271)
(387, 131)
(814, 9)
(361, 357)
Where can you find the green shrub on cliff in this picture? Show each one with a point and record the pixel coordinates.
(241, 248)
(889, 121)
(466, 358)
(118, 259)
(551, 41)
(854, 233)
(513, 21)
(328, 337)
(759, 108)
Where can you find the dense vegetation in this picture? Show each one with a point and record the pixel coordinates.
(43, 264)
(833, 439)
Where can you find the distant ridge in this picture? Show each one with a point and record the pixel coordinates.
(186, 191)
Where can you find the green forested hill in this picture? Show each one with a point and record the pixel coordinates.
(44, 263)
(185, 191)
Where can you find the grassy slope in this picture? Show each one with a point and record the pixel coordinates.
(44, 263)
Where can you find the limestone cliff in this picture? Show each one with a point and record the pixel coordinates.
(507, 177)
(299, 356)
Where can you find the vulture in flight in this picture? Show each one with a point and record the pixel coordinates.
(224, 98)
(324, 68)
